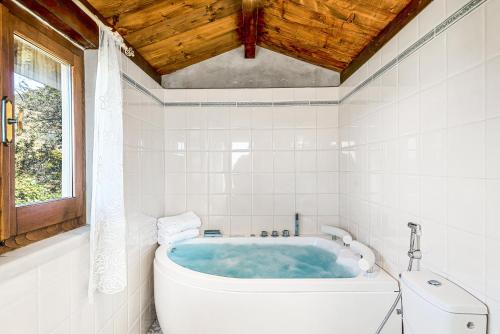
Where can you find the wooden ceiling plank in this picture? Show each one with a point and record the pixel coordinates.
(401, 20)
(110, 8)
(181, 23)
(212, 48)
(229, 39)
(303, 17)
(315, 38)
(270, 38)
(222, 48)
(250, 16)
(164, 10)
(314, 60)
(322, 12)
(194, 37)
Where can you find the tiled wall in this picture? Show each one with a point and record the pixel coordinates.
(49, 295)
(421, 142)
(250, 168)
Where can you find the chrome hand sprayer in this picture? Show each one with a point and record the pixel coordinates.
(414, 254)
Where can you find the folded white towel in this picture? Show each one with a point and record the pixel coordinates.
(176, 224)
(185, 235)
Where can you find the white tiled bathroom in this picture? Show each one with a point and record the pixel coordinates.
(412, 136)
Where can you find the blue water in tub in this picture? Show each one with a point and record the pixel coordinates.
(259, 261)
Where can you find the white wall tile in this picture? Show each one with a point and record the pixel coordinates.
(433, 201)
(466, 209)
(433, 153)
(241, 205)
(434, 12)
(262, 140)
(463, 266)
(284, 183)
(433, 107)
(305, 139)
(263, 183)
(465, 42)
(466, 97)
(492, 269)
(284, 139)
(241, 183)
(262, 205)
(492, 84)
(409, 115)
(283, 118)
(217, 118)
(433, 61)
(262, 118)
(466, 150)
(438, 170)
(493, 209)
(241, 118)
(408, 72)
(492, 27)
(284, 162)
(284, 205)
(493, 148)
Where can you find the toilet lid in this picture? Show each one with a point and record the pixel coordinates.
(442, 293)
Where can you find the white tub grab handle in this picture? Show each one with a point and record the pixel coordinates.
(337, 233)
(367, 261)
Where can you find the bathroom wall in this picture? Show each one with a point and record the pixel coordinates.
(268, 69)
(421, 142)
(250, 168)
(43, 287)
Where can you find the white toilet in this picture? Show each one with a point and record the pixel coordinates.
(434, 305)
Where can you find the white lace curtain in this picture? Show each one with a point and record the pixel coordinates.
(108, 265)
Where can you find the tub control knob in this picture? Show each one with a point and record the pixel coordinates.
(264, 234)
(285, 233)
(434, 282)
(275, 234)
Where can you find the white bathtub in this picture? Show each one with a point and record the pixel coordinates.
(190, 302)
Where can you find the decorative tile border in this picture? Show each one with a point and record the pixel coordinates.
(144, 90)
(140, 87)
(436, 31)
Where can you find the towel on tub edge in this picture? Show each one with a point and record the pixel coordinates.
(164, 239)
(176, 224)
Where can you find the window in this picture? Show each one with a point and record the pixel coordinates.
(42, 154)
(42, 92)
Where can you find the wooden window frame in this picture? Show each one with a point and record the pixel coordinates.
(25, 224)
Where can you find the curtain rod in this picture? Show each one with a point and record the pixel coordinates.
(128, 50)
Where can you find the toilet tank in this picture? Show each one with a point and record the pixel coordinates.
(434, 305)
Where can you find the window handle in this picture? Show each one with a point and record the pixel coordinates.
(8, 120)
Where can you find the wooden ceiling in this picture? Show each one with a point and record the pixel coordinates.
(173, 34)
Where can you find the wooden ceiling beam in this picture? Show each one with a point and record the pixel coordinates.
(401, 20)
(250, 18)
(66, 17)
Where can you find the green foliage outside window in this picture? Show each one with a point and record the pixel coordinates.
(39, 146)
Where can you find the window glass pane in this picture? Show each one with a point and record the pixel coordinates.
(44, 159)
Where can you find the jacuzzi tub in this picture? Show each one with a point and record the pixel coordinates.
(191, 302)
